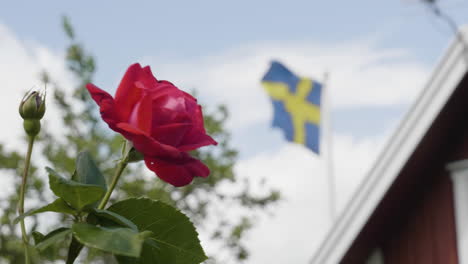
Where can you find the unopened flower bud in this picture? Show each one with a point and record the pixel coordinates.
(33, 105)
(32, 109)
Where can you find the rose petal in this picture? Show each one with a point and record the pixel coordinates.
(171, 101)
(142, 115)
(127, 94)
(189, 96)
(198, 118)
(161, 89)
(106, 104)
(166, 116)
(195, 139)
(147, 145)
(171, 134)
(180, 173)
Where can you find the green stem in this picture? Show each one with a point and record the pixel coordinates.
(22, 194)
(116, 178)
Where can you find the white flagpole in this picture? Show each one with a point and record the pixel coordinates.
(327, 135)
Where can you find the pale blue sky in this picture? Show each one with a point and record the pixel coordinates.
(122, 31)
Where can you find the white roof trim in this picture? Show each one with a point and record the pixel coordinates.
(445, 78)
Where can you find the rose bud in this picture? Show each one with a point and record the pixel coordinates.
(33, 105)
(32, 109)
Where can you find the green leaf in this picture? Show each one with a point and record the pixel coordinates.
(58, 206)
(67, 27)
(117, 240)
(174, 238)
(52, 238)
(108, 218)
(87, 172)
(38, 237)
(76, 194)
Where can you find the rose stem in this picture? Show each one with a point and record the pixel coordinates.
(22, 194)
(118, 172)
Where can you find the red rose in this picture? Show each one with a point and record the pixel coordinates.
(161, 121)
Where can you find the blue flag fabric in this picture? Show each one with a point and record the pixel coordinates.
(296, 105)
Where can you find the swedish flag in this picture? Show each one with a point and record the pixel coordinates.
(296, 104)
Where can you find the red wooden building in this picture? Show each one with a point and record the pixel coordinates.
(412, 207)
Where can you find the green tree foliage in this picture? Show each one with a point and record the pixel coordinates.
(204, 201)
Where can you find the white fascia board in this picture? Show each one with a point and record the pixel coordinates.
(444, 79)
(459, 174)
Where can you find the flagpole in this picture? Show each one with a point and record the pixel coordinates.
(328, 140)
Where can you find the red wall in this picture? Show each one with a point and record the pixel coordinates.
(427, 235)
